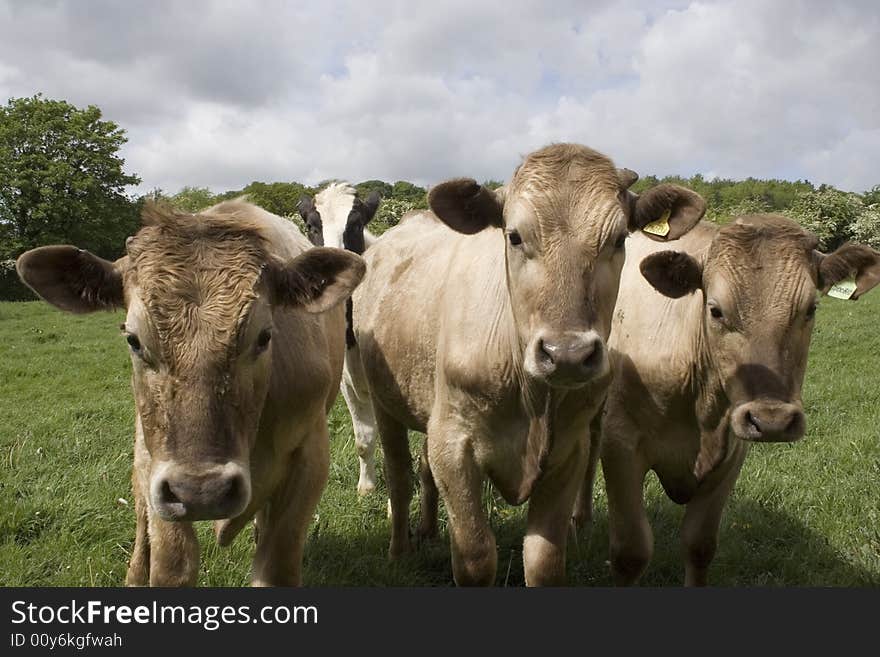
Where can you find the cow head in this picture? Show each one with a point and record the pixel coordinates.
(758, 280)
(337, 217)
(564, 219)
(200, 293)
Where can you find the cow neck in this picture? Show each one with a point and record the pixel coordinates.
(539, 443)
(712, 406)
(537, 399)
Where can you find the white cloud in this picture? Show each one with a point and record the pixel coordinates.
(222, 93)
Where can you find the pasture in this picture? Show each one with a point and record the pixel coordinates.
(802, 514)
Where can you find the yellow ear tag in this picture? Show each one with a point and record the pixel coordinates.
(660, 227)
(843, 289)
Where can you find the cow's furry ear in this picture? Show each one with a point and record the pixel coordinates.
(316, 280)
(466, 206)
(678, 207)
(72, 279)
(672, 273)
(862, 263)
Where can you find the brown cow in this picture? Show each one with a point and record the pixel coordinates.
(486, 328)
(237, 336)
(699, 377)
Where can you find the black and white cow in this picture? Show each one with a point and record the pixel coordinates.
(338, 217)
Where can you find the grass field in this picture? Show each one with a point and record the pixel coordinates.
(802, 514)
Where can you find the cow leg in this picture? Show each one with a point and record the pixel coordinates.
(631, 539)
(174, 552)
(583, 506)
(139, 565)
(283, 523)
(460, 481)
(398, 475)
(363, 422)
(429, 498)
(549, 518)
(699, 528)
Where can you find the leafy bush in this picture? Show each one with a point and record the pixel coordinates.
(11, 287)
(836, 217)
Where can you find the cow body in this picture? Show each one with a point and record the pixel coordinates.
(706, 362)
(337, 217)
(464, 340)
(237, 337)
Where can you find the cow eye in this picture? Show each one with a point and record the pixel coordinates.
(620, 242)
(263, 340)
(514, 237)
(133, 342)
(811, 311)
(715, 311)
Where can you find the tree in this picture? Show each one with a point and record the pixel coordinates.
(61, 178)
(279, 198)
(364, 188)
(193, 199)
(406, 191)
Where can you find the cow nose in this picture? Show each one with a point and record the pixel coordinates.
(180, 493)
(769, 421)
(570, 358)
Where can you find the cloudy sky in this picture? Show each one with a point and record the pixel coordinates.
(220, 93)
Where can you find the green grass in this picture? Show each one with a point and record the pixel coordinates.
(802, 514)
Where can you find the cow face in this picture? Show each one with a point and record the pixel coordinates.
(200, 296)
(759, 280)
(337, 217)
(563, 222)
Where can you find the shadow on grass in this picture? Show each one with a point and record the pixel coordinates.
(757, 547)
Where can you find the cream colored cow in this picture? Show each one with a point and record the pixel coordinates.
(709, 348)
(483, 323)
(236, 331)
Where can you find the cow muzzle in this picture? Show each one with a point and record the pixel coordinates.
(567, 360)
(768, 421)
(218, 491)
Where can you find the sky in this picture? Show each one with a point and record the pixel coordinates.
(221, 93)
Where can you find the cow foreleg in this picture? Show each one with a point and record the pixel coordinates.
(174, 552)
(460, 481)
(549, 517)
(583, 507)
(284, 522)
(631, 539)
(139, 565)
(699, 528)
(429, 498)
(363, 420)
(398, 475)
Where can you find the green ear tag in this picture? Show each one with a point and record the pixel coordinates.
(843, 289)
(660, 227)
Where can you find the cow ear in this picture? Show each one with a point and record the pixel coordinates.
(72, 279)
(672, 273)
(466, 206)
(666, 212)
(306, 204)
(855, 262)
(627, 177)
(371, 205)
(316, 280)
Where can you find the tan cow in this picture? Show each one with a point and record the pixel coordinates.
(709, 347)
(237, 336)
(485, 326)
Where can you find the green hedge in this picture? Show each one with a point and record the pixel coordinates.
(11, 287)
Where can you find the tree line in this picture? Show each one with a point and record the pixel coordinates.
(62, 180)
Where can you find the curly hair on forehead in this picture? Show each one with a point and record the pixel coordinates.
(196, 274)
(754, 230)
(548, 166)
